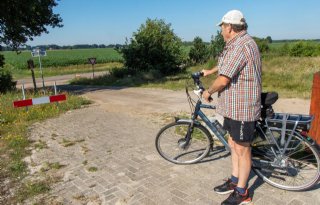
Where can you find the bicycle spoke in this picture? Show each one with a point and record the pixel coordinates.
(297, 169)
(173, 143)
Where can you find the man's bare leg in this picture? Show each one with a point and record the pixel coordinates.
(243, 152)
(234, 158)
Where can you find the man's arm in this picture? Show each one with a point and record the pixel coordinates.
(209, 72)
(217, 85)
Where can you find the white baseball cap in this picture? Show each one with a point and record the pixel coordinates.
(233, 17)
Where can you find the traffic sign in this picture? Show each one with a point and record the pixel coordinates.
(92, 60)
(38, 52)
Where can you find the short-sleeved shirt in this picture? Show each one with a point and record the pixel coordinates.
(241, 62)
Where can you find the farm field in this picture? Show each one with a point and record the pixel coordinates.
(59, 62)
(61, 58)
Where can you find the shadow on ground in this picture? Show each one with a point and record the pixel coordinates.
(82, 89)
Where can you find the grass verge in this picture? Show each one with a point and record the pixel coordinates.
(64, 70)
(291, 77)
(15, 145)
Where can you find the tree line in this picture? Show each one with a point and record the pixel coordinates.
(57, 47)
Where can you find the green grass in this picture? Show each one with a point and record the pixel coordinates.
(40, 145)
(31, 189)
(73, 69)
(68, 143)
(92, 169)
(149, 79)
(60, 62)
(61, 58)
(14, 142)
(289, 76)
(49, 166)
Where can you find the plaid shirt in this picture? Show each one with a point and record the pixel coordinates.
(240, 61)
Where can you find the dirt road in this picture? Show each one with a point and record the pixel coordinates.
(162, 101)
(145, 100)
(60, 80)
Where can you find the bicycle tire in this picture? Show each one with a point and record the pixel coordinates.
(300, 165)
(170, 138)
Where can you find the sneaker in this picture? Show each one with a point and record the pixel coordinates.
(225, 188)
(236, 198)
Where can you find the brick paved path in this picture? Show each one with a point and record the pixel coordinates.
(110, 158)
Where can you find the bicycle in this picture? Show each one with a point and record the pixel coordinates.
(282, 153)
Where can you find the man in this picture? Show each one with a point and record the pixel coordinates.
(239, 99)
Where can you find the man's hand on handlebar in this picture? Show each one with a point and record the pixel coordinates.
(209, 72)
(206, 96)
(206, 72)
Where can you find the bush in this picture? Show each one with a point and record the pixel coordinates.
(217, 44)
(303, 49)
(154, 46)
(6, 83)
(152, 75)
(122, 72)
(262, 44)
(199, 51)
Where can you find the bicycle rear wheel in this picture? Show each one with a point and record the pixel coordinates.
(174, 145)
(297, 169)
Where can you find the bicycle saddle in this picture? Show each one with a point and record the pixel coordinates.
(268, 98)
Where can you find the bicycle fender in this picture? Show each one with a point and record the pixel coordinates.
(187, 120)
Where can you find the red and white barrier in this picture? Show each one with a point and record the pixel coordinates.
(41, 100)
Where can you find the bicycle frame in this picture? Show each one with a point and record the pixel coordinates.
(198, 112)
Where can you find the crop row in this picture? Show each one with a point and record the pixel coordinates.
(60, 58)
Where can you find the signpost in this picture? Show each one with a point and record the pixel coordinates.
(92, 61)
(38, 53)
(31, 66)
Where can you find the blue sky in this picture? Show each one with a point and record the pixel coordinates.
(111, 21)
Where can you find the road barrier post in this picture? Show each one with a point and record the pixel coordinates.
(315, 108)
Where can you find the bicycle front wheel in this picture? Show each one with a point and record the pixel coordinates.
(174, 144)
(298, 168)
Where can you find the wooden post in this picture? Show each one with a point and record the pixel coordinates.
(315, 108)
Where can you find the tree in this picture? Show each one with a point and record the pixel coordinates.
(199, 51)
(20, 21)
(269, 39)
(217, 44)
(262, 44)
(23, 20)
(153, 47)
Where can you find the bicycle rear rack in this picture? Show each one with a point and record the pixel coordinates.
(289, 122)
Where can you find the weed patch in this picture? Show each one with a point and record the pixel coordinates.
(15, 145)
(92, 169)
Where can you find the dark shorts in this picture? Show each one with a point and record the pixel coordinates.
(240, 131)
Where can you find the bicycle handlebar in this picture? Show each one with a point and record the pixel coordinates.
(196, 79)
